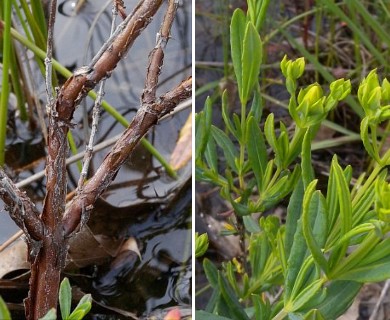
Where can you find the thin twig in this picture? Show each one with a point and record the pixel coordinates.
(49, 55)
(95, 118)
(156, 57)
(39, 175)
(121, 27)
(146, 117)
(380, 300)
(21, 209)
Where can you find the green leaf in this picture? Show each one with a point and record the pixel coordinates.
(313, 208)
(313, 314)
(4, 312)
(307, 169)
(240, 209)
(344, 201)
(65, 298)
(259, 251)
(257, 11)
(231, 277)
(77, 315)
(211, 156)
(250, 225)
(226, 145)
(251, 60)
(294, 211)
(381, 251)
(237, 311)
(203, 315)
(374, 272)
(369, 145)
(211, 273)
(225, 113)
(213, 302)
(201, 244)
(269, 132)
(262, 309)
(257, 106)
(51, 315)
(257, 152)
(82, 308)
(340, 295)
(280, 189)
(237, 33)
(237, 127)
(306, 295)
(202, 128)
(332, 199)
(296, 260)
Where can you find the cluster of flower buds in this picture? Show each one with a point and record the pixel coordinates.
(382, 202)
(373, 97)
(311, 106)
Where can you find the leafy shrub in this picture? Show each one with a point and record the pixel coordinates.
(334, 240)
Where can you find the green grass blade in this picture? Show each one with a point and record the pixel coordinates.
(355, 28)
(17, 87)
(372, 22)
(5, 77)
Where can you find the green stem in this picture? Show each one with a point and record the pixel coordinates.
(295, 145)
(5, 78)
(281, 315)
(242, 146)
(356, 256)
(73, 148)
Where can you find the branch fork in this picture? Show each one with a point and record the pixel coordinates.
(48, 233)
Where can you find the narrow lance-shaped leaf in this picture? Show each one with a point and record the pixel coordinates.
(294, 211)
(202, 128)
(344, 200)
(313, 314)
(251, 60)
(332, 199)
(340, 296)
(307, 169)
(225, 113)
(82, 308)
(226, 145)
(65, 298)
(259, 252)
(313, 207)
(257, 152)
(237, 32)
(307, 294)
(237, 311)
(211, 273)
(262, 309)
(374, 272)
(257, 10)
(295, 261)
(210, 155)
(257, 106)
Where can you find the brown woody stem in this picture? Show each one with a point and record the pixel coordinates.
(146, 117)
(46, 269)
(48, 235)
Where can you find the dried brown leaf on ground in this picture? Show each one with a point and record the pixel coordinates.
(182, 153)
